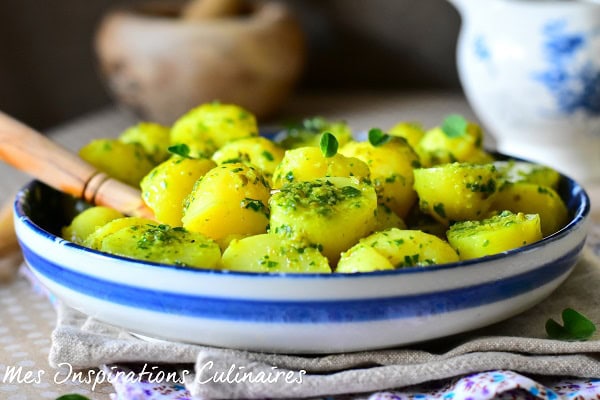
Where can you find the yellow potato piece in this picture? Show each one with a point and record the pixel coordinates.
(506, 231)
(411, 131)
(530, 198)
(396, 248)
(163, 244)
(127, 162)
(436, 147)
(308, 163)
(86, 222)
(209, 126)
(391, 171)
(457, 191)
(167, 185)
(94, 240)
(258, 151)
(308, 133)
(154, 138)
(521, 171)
(273, 253)
(386, 219)
(329, 213)
(229, 201)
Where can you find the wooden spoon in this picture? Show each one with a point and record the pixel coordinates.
(33, 153)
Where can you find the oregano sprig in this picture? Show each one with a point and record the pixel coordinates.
(180, 149)
(378, 138)
(455, 125)
(575, 326)
(329, 144)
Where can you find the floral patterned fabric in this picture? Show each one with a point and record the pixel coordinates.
(491, 385)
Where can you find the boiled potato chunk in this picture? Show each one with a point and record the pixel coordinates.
(530, 198)
(386, 218)
(308, 133)
(412, 132)
(457, 191)
(391, 171)
(309, 163)
(394, 249)
(168, 184)
(521, 171)
(229, 201)
(329, 213)
(86, 222)
(207, 127)
(258, 151)
(94, 240)
(437, 147)
(154, 138)
(505, 231)
(127, 162)
(273, 253)
(162, 244)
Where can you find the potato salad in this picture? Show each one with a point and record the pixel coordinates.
(313, 199)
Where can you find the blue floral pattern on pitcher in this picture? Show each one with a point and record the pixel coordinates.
(573, 80)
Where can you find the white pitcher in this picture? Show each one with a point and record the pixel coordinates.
(531, 71)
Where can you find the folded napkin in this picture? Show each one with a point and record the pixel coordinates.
(518, 344)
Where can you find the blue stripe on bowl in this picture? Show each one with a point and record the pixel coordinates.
(318, 311)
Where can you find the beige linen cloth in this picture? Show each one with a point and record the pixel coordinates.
(519, 344)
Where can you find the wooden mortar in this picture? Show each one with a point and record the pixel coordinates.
(163, 59)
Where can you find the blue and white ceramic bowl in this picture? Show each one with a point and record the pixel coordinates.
(291, 313)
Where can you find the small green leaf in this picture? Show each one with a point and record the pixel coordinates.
(455, 126)
(181, 149)
(329, 144)
(575, 326)
(378, 138)
(72, 396)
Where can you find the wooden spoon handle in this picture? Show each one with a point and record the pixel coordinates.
(33, 153)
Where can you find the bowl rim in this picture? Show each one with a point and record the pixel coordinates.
(580, 214)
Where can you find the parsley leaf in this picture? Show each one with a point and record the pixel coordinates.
(454, 126)
(181, 149)
(329, 144)
(576, 326)
(378, 138)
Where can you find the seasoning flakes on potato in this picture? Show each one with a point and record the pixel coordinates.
(316, 200)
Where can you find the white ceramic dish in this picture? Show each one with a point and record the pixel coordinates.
(290, 313)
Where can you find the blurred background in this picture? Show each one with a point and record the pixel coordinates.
(49, 72)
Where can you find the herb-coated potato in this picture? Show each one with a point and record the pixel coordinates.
(521, 171)
(308, 133)
(154, 138)
(229, 201)
(207, 127)
(127, 162)
(394, 249)
(412, 132)
(391, 171)
(162, 244)
(168, 184)
(273, 253)
(386, 219)
(258, 151)
(502, 232)
(457, 191)
(94, 239)
(329, 213)
(438, 147)
(309, 163)
(87, 222)
(530, 198)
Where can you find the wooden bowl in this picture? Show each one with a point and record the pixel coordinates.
(160, 64)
